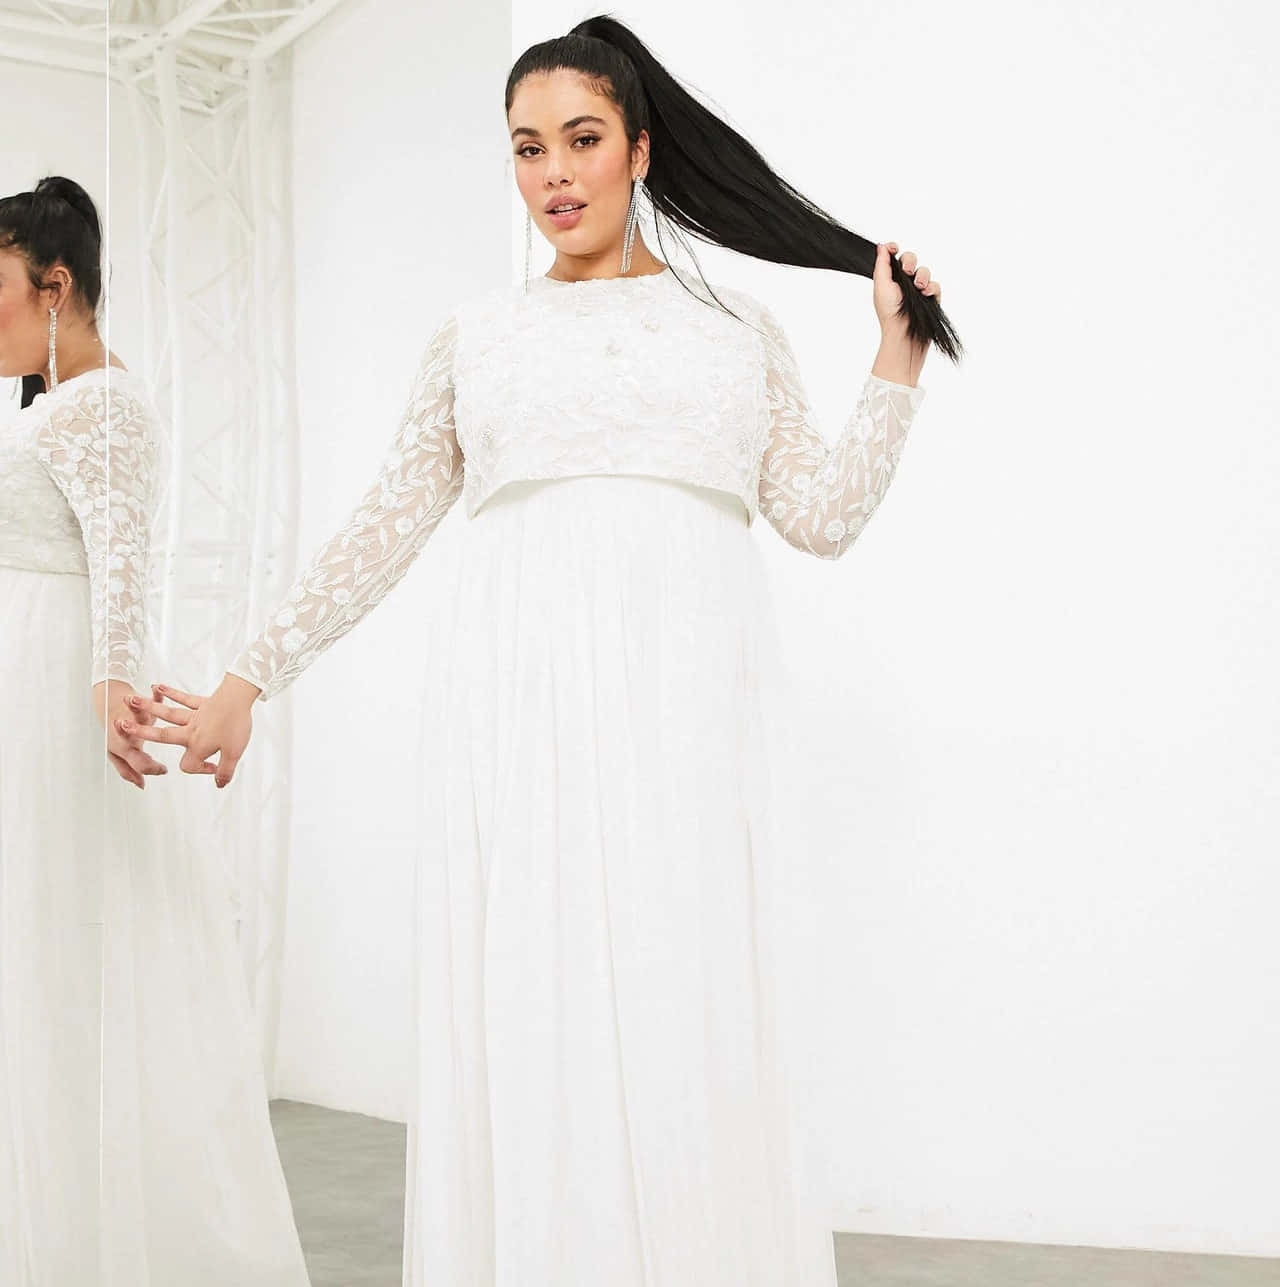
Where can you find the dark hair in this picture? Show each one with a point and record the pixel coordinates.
(706, 177)
(56, 222)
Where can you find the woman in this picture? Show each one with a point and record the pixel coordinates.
(598, 1093)
(135, 1146)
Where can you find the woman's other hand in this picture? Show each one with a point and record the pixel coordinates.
(111, 702)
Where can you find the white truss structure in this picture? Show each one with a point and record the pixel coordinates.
(208, 86)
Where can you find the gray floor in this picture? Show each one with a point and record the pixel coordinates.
(346, 1178)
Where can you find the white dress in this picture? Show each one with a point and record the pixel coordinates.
(135, 1143)
(600, 1092)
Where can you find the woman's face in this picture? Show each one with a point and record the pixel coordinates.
(24, 320)
(569, 145)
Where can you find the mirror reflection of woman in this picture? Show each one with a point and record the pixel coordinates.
(599, 1093)
(135, 1145)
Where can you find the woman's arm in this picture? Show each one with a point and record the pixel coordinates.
(100, 449)
(817, 495)
(420, 478)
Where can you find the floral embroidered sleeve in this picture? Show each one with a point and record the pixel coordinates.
(100, 449)
(820, 495)
(420, 478)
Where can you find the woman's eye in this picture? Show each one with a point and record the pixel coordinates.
(590, 138)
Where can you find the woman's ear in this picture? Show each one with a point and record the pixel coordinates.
(640, 153)
(57, 287)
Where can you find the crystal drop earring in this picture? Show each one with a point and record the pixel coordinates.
(528, 246)
(53, 349)
(633, 218)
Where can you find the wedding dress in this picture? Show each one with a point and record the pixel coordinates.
(600, 1092)
(135, 1143)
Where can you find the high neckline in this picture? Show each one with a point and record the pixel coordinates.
(665, 272)
(109, 374)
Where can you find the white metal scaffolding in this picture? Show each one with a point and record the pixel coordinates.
(208, 90)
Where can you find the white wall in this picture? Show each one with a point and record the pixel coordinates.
(396, 109)
(1035, 817)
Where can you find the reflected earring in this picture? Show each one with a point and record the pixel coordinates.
(528, 246)
(53, 349)
(633, 218)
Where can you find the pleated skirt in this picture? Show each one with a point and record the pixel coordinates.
(135, 1142)
(601, 1094)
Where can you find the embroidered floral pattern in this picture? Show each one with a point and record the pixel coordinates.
(98, 442)
(820, 495)
(420, 478)
(609, 376)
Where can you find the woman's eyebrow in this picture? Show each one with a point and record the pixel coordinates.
(568, 125)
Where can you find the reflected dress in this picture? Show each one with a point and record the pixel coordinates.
(135, 1144)
(600, 1094)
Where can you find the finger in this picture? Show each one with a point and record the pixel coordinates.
(192, 763)
(226, 769)
(145, 764)
(177, 695)
(909, 262)
(151, 733)
(158, 710)
(922, 277)
(125, 771)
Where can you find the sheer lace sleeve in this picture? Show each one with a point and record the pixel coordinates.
(420, 479)
(819, 496)
(99, 446)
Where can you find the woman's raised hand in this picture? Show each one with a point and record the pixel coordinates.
(127, 755)
(887, 294)
(218, 724)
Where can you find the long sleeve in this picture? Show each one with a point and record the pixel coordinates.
(420, 478)
(100, 449)
(820, 495)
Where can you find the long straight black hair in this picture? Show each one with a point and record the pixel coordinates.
(704, 176)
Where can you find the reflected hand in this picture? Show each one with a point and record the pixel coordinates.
(218, 724)
(127, 755)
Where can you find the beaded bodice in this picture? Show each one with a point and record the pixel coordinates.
(608, 376)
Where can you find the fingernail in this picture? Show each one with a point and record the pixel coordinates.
(135, 701)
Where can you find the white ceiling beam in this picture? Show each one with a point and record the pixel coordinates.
(289, 30)
(29, 24)
(185, 20)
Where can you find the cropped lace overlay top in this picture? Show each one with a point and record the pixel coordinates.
(77, 485)
(607, 376)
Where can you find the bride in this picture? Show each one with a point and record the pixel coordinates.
(135, 1144)
(600, 1097)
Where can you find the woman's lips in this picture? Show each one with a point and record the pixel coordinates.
(568, 219)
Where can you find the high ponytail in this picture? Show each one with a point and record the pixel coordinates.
(707, 178)
(56, 222)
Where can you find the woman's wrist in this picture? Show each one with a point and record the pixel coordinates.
(239, 689)
(898, 359)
